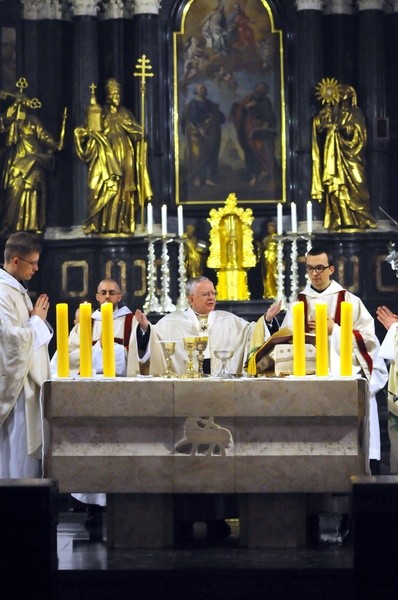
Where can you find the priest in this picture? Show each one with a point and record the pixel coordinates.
(225, 331)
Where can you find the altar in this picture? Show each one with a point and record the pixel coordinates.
(270, 441)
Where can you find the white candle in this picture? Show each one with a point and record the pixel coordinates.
(180, 221)
(309, 216)
(164, 220)
(149, 219)
(293, 216)
(279, 228)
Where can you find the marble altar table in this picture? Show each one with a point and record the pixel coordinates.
(271, 441)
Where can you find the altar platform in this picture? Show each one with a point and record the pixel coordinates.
(275, 444)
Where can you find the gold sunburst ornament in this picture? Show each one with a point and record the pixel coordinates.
(327, 90)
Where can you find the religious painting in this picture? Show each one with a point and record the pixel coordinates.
(229, 108)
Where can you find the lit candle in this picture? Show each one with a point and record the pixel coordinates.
(298, 339)
(149, 218)
(293, 209)
(164, 220)
(180, 221)
(108, 340)
(321, 339)
(279, 220)
(346, 327)
(86, 369)
(62, 330)
(309, 216)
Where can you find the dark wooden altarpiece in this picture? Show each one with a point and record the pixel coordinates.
(308, 45)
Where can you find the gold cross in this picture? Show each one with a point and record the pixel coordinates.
(143, 66)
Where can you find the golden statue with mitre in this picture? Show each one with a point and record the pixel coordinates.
(231, 249)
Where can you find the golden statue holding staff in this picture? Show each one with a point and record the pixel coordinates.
(26, 155)
(111, 145)
(338, 171)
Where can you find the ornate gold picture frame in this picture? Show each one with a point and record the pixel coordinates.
(229, 103)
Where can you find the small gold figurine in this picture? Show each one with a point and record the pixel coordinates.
(267, 255)
(194, 253)
(27, 155)
(338, 171)
(111, 145)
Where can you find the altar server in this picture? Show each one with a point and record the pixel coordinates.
(24, 360)
(366, 361)
(108, 291)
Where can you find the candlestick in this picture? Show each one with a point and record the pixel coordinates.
(62, 329)
(180, 221)
(85, 327)
(294, 270)
(108, 340)
(309, 216)
(346, 326)
(298, 339)
(321, 339)
(293, 209)
(164, 220)
(279, 220)
(149, 219)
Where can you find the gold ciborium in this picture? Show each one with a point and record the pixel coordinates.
(190, 347)
(201, 345)
(224, 356)
(168, 349)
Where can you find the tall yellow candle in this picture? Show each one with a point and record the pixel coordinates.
(108, 340)
(298, 339)
(346, 328)
(321, 339)
(62, 332)
(86, 368)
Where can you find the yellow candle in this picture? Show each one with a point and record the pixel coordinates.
(86, 368)
(62, 331)
(298, 339)
(108, 340)
(346, 327)
(321, 339)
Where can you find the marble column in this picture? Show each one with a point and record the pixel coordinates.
(372, 97)
(391, 28)
(85, 61)
(45, 27)
(111, 44)
(307, 71)
(340, 41)
(145, 39)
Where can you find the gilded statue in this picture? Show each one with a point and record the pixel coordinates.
(267, 255)
(27, 150)
(338, 171)
(110, 144)
(194, 253)
(231, 251)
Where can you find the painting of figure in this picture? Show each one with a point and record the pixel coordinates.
(229, 120)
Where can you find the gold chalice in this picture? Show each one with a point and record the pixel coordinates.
(190, 347)
(224, 356)
(201, 345)
(168, 349)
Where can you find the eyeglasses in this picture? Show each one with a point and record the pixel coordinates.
(208, 294)
(32, 263)
(317, 269)
(110, 292)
